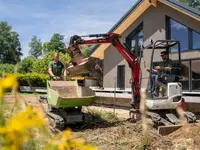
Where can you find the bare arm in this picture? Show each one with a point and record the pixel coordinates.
(163, 68)
(166, 68)
(154, 70)
(50, 72)
(65, 73)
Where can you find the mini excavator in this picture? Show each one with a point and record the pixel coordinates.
(162, 109)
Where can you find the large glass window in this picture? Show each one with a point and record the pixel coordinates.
(189, 39)
(135, 40)
(196, 40)
(179, 32)
(121, 77)
(195, 69)
(185, 75)
(190, 75)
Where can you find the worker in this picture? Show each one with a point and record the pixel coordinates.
(164, 68)
(56, 68)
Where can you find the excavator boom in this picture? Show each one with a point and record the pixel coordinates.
(107, 38)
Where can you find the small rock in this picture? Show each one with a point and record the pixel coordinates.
(189, 141)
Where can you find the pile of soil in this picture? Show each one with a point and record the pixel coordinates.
(123, 136)
(187, 137)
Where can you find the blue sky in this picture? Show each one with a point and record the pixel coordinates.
(67, 17)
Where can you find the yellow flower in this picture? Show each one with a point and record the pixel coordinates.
(19, 128)
(67, 135)
(63, 146)
(10, 82)
(65, 141)
(1, 92)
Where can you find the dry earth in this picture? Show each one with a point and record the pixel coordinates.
(119, 134)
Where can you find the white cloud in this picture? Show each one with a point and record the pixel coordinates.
(178, 26)
(41, 20)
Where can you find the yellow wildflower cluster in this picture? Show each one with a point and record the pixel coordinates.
(19, 129)
(64, 141)
(10, 82)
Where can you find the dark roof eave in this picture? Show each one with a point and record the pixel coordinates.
(192, 11)
(119, 22)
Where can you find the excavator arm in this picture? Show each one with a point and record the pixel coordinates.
(108, 38)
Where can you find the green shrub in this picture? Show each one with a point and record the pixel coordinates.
(26, 65)
(33, 80)
(7, 68)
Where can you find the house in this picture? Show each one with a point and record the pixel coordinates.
(156, 20)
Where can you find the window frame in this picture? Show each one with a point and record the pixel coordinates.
(121, 71)
(190, 34)
(135, 33)
(192, 39)
(190, 74)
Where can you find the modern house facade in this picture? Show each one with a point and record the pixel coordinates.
(153, 20)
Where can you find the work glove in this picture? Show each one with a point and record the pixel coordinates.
(54, 77)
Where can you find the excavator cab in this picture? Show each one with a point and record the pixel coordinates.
(164, 89)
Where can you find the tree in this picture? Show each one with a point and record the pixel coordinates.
(86, 49)
(26, 65)
(41, 65)
(10, 47)
(55, 44)
(35, 47)
(192, 3)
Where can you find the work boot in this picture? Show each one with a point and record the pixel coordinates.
(135, 103)
(164, 92)
(156, 92)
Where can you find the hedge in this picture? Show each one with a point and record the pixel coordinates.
(31, 79)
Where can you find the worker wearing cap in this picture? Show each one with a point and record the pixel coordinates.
(163, 68)
(56, 67)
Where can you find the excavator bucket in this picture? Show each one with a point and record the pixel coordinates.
(87, 65)
(81, 65)
(165, 130)
(75, 54)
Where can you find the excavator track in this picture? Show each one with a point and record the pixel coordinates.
(190, 117)
(60, 118)
(165, 122)
(87, 118)
(56, 121)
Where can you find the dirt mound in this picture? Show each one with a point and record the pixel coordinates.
(187, 137)
(123, 136)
